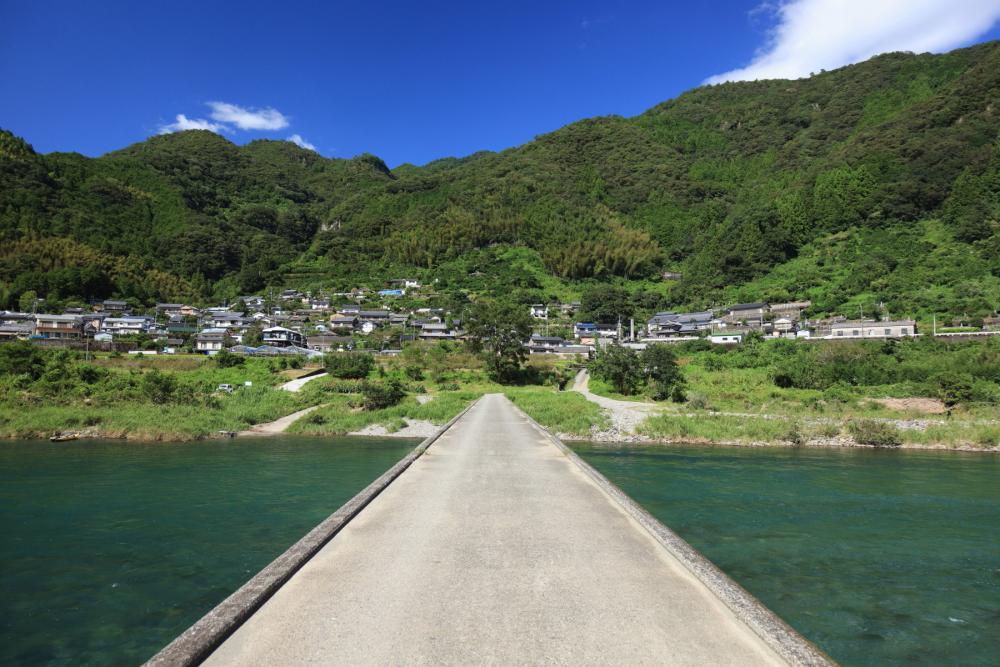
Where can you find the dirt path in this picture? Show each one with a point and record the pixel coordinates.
(278, 426)
(297, 384)
(625, 416)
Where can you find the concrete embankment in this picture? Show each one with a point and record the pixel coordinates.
(498, 545)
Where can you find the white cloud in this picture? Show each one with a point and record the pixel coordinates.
(182, 123)
(248, 118)
(301, 143)
(811, 35)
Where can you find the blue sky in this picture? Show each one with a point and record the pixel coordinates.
(413, 82)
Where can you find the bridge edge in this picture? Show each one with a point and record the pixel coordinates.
(776, 633)
(196, 643)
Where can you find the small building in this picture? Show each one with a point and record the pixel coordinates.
(61, 327)
(114, 306)
(726, 338)
(539, 311)
(329, 343)
(129, 324)
(344, 322)
(169, 309)
(282, 337)
(873, 329)
(21, 330)
(791, 311)
(369, 320)
(747, 312)
(584, 329)
(784, 325)
(405, 283)
(211, 341)
(230, 320)
(438, 331)
(392, 292)
(671, 275)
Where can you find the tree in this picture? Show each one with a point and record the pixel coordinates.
(620, 366)
(158, 387)
(352, 366)
(26, 303)
(605, 303)
(253, 336)
(20, 357)
(498, 330)
(661, 367)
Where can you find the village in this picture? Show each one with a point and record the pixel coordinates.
(293, 322)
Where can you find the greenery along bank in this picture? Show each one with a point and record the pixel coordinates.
(917, 392)
(874, 183)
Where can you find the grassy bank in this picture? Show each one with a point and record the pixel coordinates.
(150, 421)
(559, 411)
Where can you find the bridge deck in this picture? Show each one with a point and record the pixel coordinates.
(493, 547)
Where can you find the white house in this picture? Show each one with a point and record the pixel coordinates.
(211, 341)
(282, 337)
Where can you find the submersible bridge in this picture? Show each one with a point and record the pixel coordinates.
(494, 543)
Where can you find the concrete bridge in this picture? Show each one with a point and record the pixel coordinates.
(491, 543)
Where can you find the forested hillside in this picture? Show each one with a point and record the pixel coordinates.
(878, 182)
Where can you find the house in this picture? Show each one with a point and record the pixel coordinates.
(791, 311)
(178, 324)
(229, 320)
(405, 283)
(438, 331)
(129, 324)
(344, 322)
(11, 317)
(329, 343)
(62, 327)
(991, 324)
(169, 309)
(726, 338)
(291, 295)
(319, 303)
(282, 337)
(607, 331)
(349, 309)
(211, 341)
(670, 323)
(569, 308)
(873, 329)
(585, 331)
(252, 302)
(538, 344)
(21, 331)
(541, 344)
(784, 325)
(539, 311)
(371, 319)
(113, 306)
(747, 312)
(398, 319)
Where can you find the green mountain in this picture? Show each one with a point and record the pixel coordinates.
(877, 182)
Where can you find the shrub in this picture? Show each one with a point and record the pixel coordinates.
(381, 395)
(699, 402)
(158, 387)
(316, 418)
(794, 434)
(226, 359)
(619, 366)
(21, 357)
(874, 433)
(348, 365)
(953, 388)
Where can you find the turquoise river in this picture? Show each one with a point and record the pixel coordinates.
(110, 549)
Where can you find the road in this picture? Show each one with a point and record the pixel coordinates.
(494, 547)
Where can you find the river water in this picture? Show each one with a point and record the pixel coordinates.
(879, 557)
(111, 549)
